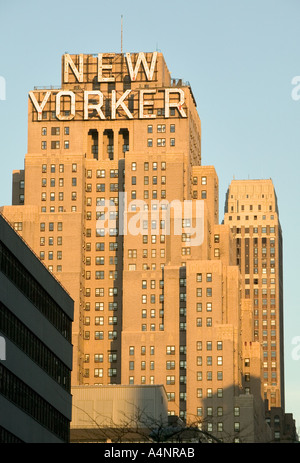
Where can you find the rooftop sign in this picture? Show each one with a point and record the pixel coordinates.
(78, 103)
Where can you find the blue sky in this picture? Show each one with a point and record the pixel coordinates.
(240, 57)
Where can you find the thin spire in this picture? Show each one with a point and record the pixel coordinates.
(122, 34)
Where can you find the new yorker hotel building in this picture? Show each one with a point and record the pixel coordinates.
(151, 306)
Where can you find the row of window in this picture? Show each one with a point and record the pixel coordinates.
(112, 357)
(152, 284)
(33, 404)
(99, 372)
(209, 375)
(101, 173)
(208, 322)
(203, 180)
(26, 283)
(55, 145)
(19, 334)
(153, 312)
(154, 166)
(219, 411)
(60, 182)
(151, 299)
(209, 360)
(60, 196)
(163, 180)
(219, 426)
(99, 260)
(132, 267)
(250, 206)
(55, 131)
(100, 306)
(100, 320)
(50, 241)
(264, 291)
(202, 194)
(99, 335)
(100, 246)
(199, 277)
(61, 168)
(154, 253)
(146, 195)
(99, 292)
(51, 226)
(50, 255)
(160, 142)
(208, 292)
(255, 229)
(208, 307)
(161, 128)
(209, 345)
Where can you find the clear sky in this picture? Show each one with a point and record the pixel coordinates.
(240, 57)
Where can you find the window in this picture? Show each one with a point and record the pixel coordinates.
(161, 142)
(199, 411)
(98, 372)
(220, 393)
(55, 145)
(170, 380)
(199, 277)
(170, 365)
(161, 128)
(236, 427)
(236, 411)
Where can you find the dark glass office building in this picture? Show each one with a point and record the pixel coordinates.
(36, 315)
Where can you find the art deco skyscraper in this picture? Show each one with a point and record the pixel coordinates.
(113, 166)
(253, 216)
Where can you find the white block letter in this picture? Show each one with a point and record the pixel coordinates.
(102, 66)
(143, 103)
(78, 73)
(57, 104)
(177, 105)
(39, 107)
(141, 59)
(97, 107)
(295, 91)
(115, 104)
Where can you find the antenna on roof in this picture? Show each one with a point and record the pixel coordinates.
(122, 34)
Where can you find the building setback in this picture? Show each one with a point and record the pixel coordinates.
(35, 327)
(252, 213)
(157, 290)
